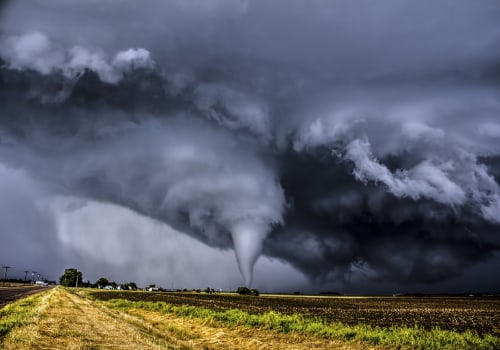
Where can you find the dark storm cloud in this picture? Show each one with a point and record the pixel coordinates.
(349, 139)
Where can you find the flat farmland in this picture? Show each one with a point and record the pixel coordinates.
(477, 314)
(71, 318)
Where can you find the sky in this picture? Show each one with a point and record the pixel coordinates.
(349, 146)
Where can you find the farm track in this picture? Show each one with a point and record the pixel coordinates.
(481, 315)
(10, 294)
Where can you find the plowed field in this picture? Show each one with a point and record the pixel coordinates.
(481, 315)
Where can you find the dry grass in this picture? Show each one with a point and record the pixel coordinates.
(208, 335)
(66, 320)
(251, 312)
(460, 314)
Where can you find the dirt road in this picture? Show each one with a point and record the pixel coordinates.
(8, 295)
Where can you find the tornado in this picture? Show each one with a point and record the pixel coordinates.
(374, 130)
(247, 240)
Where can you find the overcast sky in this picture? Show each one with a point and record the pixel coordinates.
(288, 145)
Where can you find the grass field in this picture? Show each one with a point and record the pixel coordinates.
(85, 319)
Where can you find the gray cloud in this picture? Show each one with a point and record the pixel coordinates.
(354, 141)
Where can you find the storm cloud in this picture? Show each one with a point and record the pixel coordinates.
(356, 142)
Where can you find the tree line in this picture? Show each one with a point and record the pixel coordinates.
(74, 278)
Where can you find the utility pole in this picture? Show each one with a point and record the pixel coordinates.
(33, 273)
(5, 267)
(25, 275)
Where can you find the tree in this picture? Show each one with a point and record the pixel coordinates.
(71, 278)
(128, 286)
(86, 284)
(247, 291)
(243, 290)
(102, 282)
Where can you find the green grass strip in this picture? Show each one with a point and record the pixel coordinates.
(19, 313)
(397, 337)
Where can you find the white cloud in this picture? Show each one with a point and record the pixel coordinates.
(37, 52)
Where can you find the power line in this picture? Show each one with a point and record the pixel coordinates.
(5, 267)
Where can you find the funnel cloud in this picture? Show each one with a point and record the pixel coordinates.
(331, 145)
